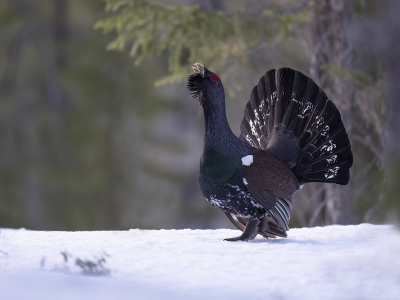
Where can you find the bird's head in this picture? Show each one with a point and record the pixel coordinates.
(207, 86)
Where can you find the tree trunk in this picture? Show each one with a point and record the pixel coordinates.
(329, 48)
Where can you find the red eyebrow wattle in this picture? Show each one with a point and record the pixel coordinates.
(216, 78)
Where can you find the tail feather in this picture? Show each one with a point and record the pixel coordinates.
(268, 228)
(271, 96)
(292, 99)
(285, 78)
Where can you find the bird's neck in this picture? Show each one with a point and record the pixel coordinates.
(218, 135)
(216, 124)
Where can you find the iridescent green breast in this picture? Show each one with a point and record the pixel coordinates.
(217, 169)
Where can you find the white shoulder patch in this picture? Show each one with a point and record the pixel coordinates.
(245, 181)
(247, 160)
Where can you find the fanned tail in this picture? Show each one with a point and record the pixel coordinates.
(290, 116)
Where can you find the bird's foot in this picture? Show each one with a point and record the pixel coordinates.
(238, 238)
(249, 233)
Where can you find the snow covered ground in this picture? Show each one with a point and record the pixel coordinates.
(334, 262)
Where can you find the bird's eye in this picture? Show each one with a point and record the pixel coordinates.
(214, 78)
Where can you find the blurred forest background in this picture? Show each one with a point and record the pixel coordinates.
(93, 139)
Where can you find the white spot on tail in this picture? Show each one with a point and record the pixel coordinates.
(308, 109)
(328, 148)
(319, 122)
(332, 173)
(331, 160)
(325, 131)
(247, 160)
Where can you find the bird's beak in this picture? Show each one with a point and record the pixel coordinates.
(198, 69)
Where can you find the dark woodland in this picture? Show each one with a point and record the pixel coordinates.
(98, 130)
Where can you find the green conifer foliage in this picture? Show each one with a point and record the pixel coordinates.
(218, 39)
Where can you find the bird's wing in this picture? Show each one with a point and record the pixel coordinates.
(268, 178)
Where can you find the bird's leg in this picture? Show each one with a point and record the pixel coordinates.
(263, 227)
(249, 232)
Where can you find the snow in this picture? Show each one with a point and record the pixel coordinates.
(334, 262)
(247, 160)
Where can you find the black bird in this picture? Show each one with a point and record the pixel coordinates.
(291, 134)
